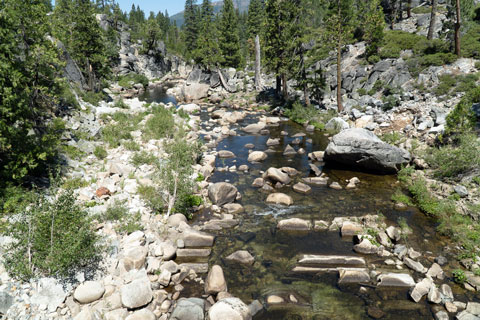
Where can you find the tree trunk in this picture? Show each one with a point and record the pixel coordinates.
(457, 29)
(433, 16)
(409, 8)
(284, 86)
(279, 84)
(394, 13)
(339, 61)
(258, 75)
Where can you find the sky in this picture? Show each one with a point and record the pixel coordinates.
(173, 6)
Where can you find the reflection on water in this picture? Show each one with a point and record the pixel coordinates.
(276, 252)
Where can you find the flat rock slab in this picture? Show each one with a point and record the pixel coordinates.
(316, 180)
(395, 280)
(225, 154)
(199, 268)
(302, 188)
(332, 260)
(294, 224)
(353, 276)
(193, 238)
(193, 252)
(279, 198)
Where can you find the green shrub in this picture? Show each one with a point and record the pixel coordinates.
(471, 42)
(114, 133)
(152, 197)
(131, 145)
(459, 276)
(92, 97)
(362, 91)
(422, 10)
(394, 137)
(72, 152)
(462, 118)
(477, 65)
(143, 157)
(461, 157)
(396, 41)
(130, 79)
(301, 114)
(74, 183)
(120, 104)
(116, 212)
(160, 125)
(400, 197)
(100, 152)
(52, 238)
(130, 224)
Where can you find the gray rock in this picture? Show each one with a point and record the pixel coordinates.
(221, 193)
(353, 276)
(280, 198)
(89, 291)
(302, 188)
(230, 308)
(276, 175)
(189, 309)
(461, 191)
(395, 280)
(441, 315)
(194, 238)
(294, 224)
(414, 265)
(143, 314)
(241, 256)
(257, 156)
(365, 247)
(49, 293)
(289, 151)
(6, 301)
(360, 148)
(136, 294)
(337, 124)
(215, 281)
(473, 308)
(254, 128)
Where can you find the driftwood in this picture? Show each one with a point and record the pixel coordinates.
(224, 83)
(258, 75)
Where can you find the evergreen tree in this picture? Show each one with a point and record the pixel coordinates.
(190, 27)
(229, 40)
(207, 52)
(29, 66)
(256, 18)
(339, 31)
(372, 22)
(282, 39)
(77, 27)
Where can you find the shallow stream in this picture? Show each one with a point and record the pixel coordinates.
(276, 252)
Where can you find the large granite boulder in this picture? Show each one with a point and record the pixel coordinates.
(222, 193)
(361, 149)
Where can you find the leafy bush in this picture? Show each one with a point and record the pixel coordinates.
(100, 152)
(143, 157)
(130, 79)
(393, 137)
(471, 42)
(74, 183)
(115, 212)
(463, 156)
(462, 118)
(52, 238)
(130, 224)
(422, 10)
(120, 104)
(114, 133)
(92, 97)
(152, 197)
(396, 41)
(450, 83)
(400, 197)
(459, 276)
(160, 125)
(301, 114)
(131, 145)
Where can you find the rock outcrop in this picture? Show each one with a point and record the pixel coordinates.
(361, 149)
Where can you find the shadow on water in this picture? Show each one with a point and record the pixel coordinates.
(158, 94)
(276, 252)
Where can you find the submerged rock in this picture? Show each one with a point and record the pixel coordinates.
(294, 224)
(302, 188)
(189, 309)
(241, 256)
(361, 149)
(280, 198)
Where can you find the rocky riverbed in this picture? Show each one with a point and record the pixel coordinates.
(281, 235)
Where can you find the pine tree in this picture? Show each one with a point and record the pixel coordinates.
(190, 27)
(338, 31)
(372, 22)
(77, 27)
(229, 40)
(256, 18)
(207, 52)
(29, 66)
(282, 39)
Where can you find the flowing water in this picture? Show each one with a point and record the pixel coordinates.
(276, 252)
